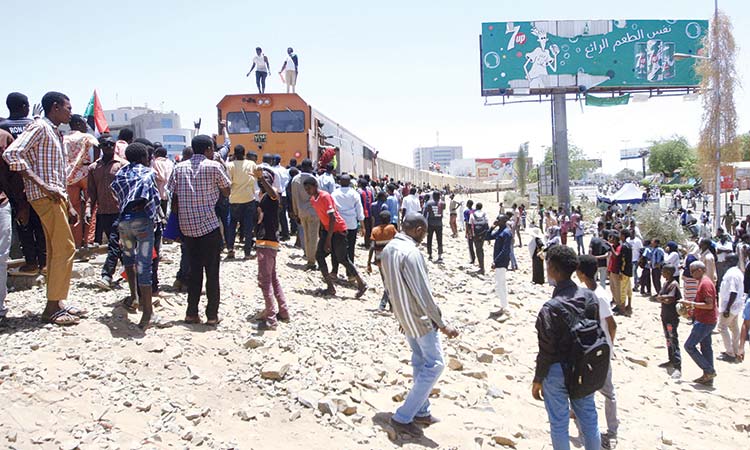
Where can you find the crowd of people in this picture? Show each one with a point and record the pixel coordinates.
(67, 191)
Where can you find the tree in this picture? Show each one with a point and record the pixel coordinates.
(578, 163)
(744, 143)
(666, 156)
(522, 167)
(718, 140)
(626, 175)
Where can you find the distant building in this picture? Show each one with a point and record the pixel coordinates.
(502, 168)
(442, 155)
(153, 125)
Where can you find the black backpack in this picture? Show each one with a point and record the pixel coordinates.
(588, 362)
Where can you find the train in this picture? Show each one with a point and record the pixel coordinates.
(287, 125)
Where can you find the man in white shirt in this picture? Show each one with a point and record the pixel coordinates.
(587, 268)
(731, 295)
(283, 176)
(290, 70)
(267, 163)
(349, 205)
(636, 245)
(411, 203)
(326, 181)
(723, 249)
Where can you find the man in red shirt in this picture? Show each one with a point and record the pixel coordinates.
(705, 322)
(332, 236)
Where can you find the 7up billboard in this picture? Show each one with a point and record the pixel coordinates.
(538, 57)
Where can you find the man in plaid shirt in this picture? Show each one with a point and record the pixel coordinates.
(195, 186)
(39, 156)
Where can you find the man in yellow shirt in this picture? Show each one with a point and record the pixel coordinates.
(242, 201)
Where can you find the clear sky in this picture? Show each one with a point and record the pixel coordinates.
(393, 72)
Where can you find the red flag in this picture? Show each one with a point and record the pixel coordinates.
(95, 115)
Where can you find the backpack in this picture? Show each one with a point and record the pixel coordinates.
(587, 364)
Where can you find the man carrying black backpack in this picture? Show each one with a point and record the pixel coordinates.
(573, 358)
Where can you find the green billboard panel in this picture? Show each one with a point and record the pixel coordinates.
(579, 55)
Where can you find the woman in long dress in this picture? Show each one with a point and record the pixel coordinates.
(536, 251)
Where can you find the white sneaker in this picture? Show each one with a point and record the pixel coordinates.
(676, 375)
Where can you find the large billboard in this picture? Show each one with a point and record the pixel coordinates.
(538, 57)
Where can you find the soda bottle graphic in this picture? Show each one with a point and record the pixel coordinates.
(653, 55)
(667, 60)
(640, 61)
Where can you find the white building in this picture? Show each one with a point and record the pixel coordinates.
(163, 127)
(442, 155)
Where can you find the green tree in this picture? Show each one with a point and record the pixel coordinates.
(578, 163)
(744, 142)
(669, 155)
(522, 167)
(626, 175)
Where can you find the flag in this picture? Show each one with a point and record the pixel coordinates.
(607, 101)
(95, 115)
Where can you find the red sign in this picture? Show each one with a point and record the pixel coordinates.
(727, 177)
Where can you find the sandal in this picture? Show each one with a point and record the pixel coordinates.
(192, 320)
(76, 311)
(361, 291)
(61, 317)
(130, 306)
(155, 321)
(213, 322)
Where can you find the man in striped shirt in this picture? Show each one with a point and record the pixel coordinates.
(407, 283)
(39, 156)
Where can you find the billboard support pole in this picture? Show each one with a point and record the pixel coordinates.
(560, 149)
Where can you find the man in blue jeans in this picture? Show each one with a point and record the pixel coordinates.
(139, 200)
(555, 346)
(705, 321)
(407, 283)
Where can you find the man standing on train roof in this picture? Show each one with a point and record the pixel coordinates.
(290, 70)
(261, 65)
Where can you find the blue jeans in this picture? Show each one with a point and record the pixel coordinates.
(701, 334)
(245, 214)
(427, 365)
(557, 403)
(137, 244)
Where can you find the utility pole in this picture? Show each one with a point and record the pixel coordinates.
(560, 149)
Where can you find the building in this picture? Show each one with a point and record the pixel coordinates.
(163, 127)
(441, 155)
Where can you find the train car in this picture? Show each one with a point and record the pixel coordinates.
(287, 125)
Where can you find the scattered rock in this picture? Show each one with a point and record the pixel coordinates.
(504, 440)
(478, 374)
(327, 406)
(309, 398)
(154, 345)
(253, 342)
(484, 357)
(640, 362)
(455, 364)
(274, 370)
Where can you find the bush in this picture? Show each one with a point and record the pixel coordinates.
(674, 187)
(511, 197)
(656, 224)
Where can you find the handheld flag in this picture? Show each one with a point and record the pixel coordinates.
(95, 115)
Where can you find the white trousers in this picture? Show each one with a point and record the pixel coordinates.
(727, 325)
(501, 289)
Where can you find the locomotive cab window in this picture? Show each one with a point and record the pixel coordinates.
(288, 121)
(243, 123)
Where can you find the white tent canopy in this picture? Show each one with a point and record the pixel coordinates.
(628, 193)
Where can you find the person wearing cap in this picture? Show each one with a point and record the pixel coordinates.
(78, 143)
(104, 203)
(304, 213)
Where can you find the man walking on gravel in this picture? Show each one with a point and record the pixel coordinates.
(406, 280)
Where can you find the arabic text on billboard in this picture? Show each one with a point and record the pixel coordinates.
(536, 57)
